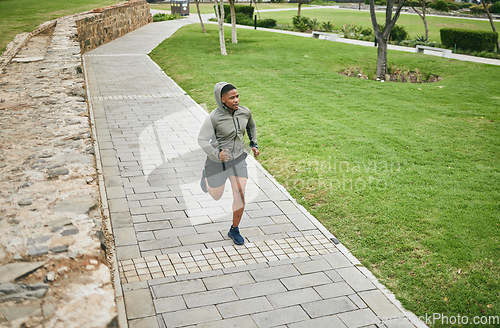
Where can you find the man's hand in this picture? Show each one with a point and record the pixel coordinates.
(255, 151)
(224, 155)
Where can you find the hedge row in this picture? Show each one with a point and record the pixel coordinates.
(468, 39)
(246, 10)
(243, 19)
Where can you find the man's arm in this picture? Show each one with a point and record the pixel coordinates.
(252, 132)
(207, 132)
(252, 135)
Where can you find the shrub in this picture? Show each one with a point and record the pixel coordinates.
(246, 10)
(422, 38)
(495, 8)
(441, 5)
(286, 27)
(469, 39)
(420, 41)
(398, 33)
(241, 19)
(452, 6)
(327, 26)
(414, 3)
(462, 5)
(165, 17)
(302, 23)
(477, 9)
(351, 31)
(268, 22)
(314, 24)
(366, 31)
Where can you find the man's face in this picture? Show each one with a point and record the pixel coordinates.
(231, 99)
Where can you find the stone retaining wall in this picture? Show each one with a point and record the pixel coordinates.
(109, 23)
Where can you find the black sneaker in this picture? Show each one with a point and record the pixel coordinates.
(203, 182)
(234, 234)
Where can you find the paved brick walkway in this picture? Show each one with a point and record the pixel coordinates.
(176, 267)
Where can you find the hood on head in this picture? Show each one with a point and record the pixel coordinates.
(217, 93)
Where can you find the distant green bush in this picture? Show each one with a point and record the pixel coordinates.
(452, 6)
(244, 9)
(327, 26)
(165, 17)
(477, 9)
(495, 8)
(414, 3)
(419, 41)
(302, 23)
(463, 5)
(241, 19)
(398, 33)
(247, 10)
(441, 5)
(469, 39)
(267, 23)
(366, 31)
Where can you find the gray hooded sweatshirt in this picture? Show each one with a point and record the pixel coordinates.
(223, 130)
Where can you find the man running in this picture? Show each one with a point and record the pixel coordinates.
(221, 137)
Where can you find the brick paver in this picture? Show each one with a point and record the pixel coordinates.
(175, 265)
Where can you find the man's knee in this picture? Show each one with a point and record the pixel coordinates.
(216, 193)
(216, 196)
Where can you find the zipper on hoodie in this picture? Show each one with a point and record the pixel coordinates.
(235, 131)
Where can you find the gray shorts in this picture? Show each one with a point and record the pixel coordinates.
(218, 173)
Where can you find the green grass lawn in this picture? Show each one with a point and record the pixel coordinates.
(412, 23)
(17, 16)
(405, 175)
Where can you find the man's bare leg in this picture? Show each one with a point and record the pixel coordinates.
(217, 192)
(238, 187)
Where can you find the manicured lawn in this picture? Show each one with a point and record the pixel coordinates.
(407, 176)
(412, 23)
(17, 16)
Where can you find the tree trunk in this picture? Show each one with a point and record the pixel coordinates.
(199, 15)
(300, 5)
(256, 9)
(422, 16)
(234, 37)
(383, 36)
(425, 22)
(220, 19)
(491, 22)
(382, 58)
